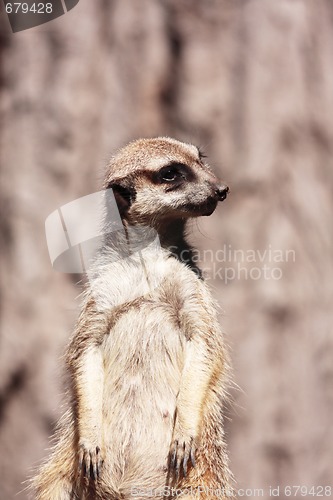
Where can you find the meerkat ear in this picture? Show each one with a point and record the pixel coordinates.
(124, 195)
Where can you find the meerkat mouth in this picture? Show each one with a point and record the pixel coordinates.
(204, 209)
(210, 208)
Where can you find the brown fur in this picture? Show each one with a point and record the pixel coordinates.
(148, 370)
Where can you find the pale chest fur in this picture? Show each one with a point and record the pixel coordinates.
(144, 357)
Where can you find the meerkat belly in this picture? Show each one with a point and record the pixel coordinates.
(143, 360)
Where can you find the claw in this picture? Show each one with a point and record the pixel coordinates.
(93, 468)
(185, 464)
(174, 455)
(81, 453)
(178, 469)
(87, 466)
(192, 455)
(98, 462)
(180, 454)
(89, 463)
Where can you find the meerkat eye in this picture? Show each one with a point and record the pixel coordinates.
(172, 173)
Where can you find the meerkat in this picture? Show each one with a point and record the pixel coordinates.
(147, 360)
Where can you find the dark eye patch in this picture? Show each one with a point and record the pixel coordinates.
(124, 196)
(173, 173)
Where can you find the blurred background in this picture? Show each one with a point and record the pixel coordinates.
(249, 81)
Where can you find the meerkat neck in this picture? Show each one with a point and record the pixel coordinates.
(173, 239)
(172, 236)
(137, 238)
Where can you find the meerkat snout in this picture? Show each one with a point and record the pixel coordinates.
(221, 192)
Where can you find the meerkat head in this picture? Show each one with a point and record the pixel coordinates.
(156, 181)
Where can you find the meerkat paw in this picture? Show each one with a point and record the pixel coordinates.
(90, 460)
(183, 448)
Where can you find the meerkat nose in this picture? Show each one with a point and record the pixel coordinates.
(221, 192)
